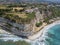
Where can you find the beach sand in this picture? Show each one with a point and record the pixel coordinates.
(39, 34)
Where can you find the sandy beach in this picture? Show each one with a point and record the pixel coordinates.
(38, 34)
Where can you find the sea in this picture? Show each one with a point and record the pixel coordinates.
(50, 36)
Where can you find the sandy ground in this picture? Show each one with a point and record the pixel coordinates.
(35, 36)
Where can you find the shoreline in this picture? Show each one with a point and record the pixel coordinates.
(39, 34)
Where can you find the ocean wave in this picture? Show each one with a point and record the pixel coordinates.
(42, 36)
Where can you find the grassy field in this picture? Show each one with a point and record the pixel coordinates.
(16, 16)
(22, 15)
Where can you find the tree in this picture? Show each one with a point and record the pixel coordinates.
(38, 24)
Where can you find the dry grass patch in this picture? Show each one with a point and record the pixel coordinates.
(22, 15)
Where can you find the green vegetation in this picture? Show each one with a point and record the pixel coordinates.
(46, 20)
(31, 15)
(55, 13)
(16, 16)
(17, 5)
(17, 19)
(13, 43)
(38, 24)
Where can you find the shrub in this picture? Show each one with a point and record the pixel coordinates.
(38, 24)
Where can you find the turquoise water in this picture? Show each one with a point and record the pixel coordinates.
(53, 35)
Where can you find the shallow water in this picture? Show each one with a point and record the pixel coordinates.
(53, 35)
(49, 37)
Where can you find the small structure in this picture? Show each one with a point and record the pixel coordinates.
(29, 10)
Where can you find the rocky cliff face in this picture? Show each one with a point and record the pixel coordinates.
(17, 29)
(21, 29)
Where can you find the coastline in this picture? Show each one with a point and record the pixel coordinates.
(39, 34)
